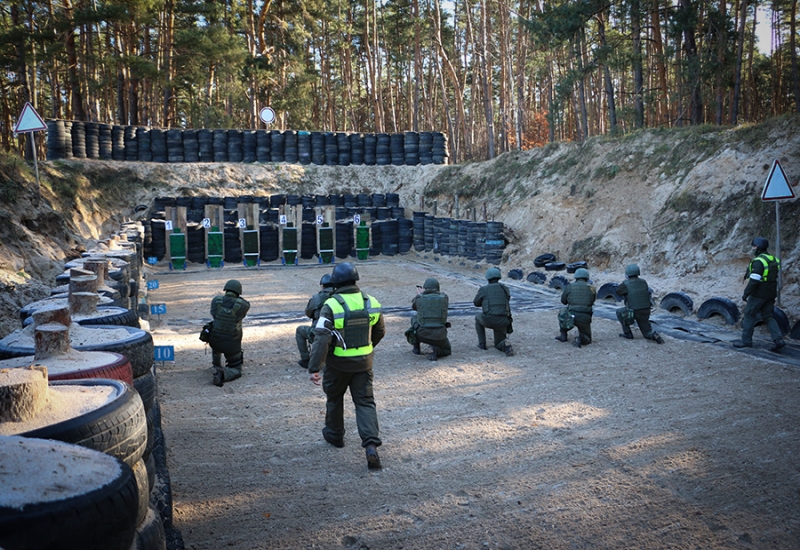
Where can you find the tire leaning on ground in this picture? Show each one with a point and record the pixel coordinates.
(146, 387)
(536, 277)
(718, 305)
(543, 259)
(559, 282)
(677, 302)
(608, 290)
(150, 532)
(117, 428)
(92, 507)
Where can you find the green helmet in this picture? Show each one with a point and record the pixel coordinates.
(431, 284)
(582, 273)
(493, 273)
(632, 270)
(233, 286)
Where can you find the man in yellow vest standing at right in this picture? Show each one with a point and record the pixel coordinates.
(350, 325)
(760, 294)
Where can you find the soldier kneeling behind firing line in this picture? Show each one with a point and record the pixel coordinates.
(636, 294)
(429, 325)
(579, 297)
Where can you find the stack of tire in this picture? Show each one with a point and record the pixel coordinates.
(344, 239)
(343, 149)
(405, 233)
(56, 140)
(268, 242)
(92, 139)
(370, 149)
(383, 154)
(304, 147)
(117, 142)
(439, 150)
(78, 138)
(418, 229)
(277, 146)
(429, 232)
(308, 244)
(290, 152)
(263, 146)
(67, 139)
(105, 141)
(249, 146)
(235, 146)
(174, 140)
(426, 148)
(397, 149)
(158, 145)
(495, 242)
(318, 148)
(205, 145)
(143, 144)
(331, 149)
(411, 148)
(220, 144)
(191, 146)
(195, 243)
(131, 145)
(356, 148)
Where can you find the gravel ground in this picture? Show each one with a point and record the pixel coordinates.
(620, 444)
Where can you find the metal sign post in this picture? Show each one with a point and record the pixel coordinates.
(777, 189)
(28, 122)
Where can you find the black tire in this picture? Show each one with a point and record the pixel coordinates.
(150, 532)
(161, 495)
(723, 307)
(117, 428)
(555, 266)
(609, 290)
(536, 277)
(780, 318)
(559, 281)
(174, 539)
(98, 515)
(142, 489)
(146, 387)
(539, 261)
(106, 315)
(575, 266)
(515, 274)
(677, 303)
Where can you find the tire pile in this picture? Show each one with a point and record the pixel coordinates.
(76, 139)
(127, 427)
(390, 232)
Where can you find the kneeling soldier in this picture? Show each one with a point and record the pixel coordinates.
(429, 324)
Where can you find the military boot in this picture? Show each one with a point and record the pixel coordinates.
(657, 337)
(577, 341)
(509, 351)
(434, 355)
(373, 460)
(219, 372)
(482, 346)
(415, 350)
(562, 337)
(628, 335)
(778, 345)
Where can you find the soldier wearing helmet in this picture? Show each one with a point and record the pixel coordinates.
(493, 299)
(228, 310)
(429, 324)
(579, 298)
(304, 335)
(636, 294)
(760, 294)
(349, 326)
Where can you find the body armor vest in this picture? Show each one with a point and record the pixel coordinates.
(225, 322)
(771, 267)
(354, 314)
(638, 294)
(320, 300)
(580, 297)
(496, 300)
(431, 310)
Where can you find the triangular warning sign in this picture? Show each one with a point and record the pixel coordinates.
(29, 120)
(777, 187)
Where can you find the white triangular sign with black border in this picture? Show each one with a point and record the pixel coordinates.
(777, 186)
(29, 120)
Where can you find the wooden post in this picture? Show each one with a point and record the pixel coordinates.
(51, 339)
(23, 393)
(47, 315)
(83, 303)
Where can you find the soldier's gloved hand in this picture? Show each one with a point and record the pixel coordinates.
(315, 378)
(744, 297)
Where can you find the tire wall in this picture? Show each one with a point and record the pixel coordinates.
(391, 232)
(76, 139)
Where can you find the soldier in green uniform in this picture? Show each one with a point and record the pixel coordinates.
(579, 298)
(494, 299)
(760, 294)
(636, 294)
(429, 324)
(304, 335)
(350, 325)
(228, 310)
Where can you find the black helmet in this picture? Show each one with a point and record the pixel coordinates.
(760, 243)
(344, 272)
(325, 281)
(431, 284)
(233, 286)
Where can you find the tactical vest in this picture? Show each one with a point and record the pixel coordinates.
(321, 298)
(225, 321)
(580, 297)
(354, 315)
(431, 310)
(638, 294)
(496, 300)
(771, 267)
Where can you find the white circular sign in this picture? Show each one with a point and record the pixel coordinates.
(267, 115)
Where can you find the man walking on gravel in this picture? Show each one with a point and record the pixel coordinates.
(760, 294)
(228, 310)
(349, 327)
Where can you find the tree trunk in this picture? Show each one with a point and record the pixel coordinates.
(609, 85)
(737, 77)
(793, 54)
(638, 78)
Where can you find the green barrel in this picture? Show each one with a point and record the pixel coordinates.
(215, 255)
(250, 252)
(325, 244)
(177, 249)
(289, 244)
(362, 241)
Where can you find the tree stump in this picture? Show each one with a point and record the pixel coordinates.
(23, 393)
(50, 340)
(52, 314)
(83, 303)
(99, 267)
(83, 283)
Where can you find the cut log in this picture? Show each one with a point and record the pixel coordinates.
(57, 313)
(51, 340)
(83, 303)
(23, 393)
